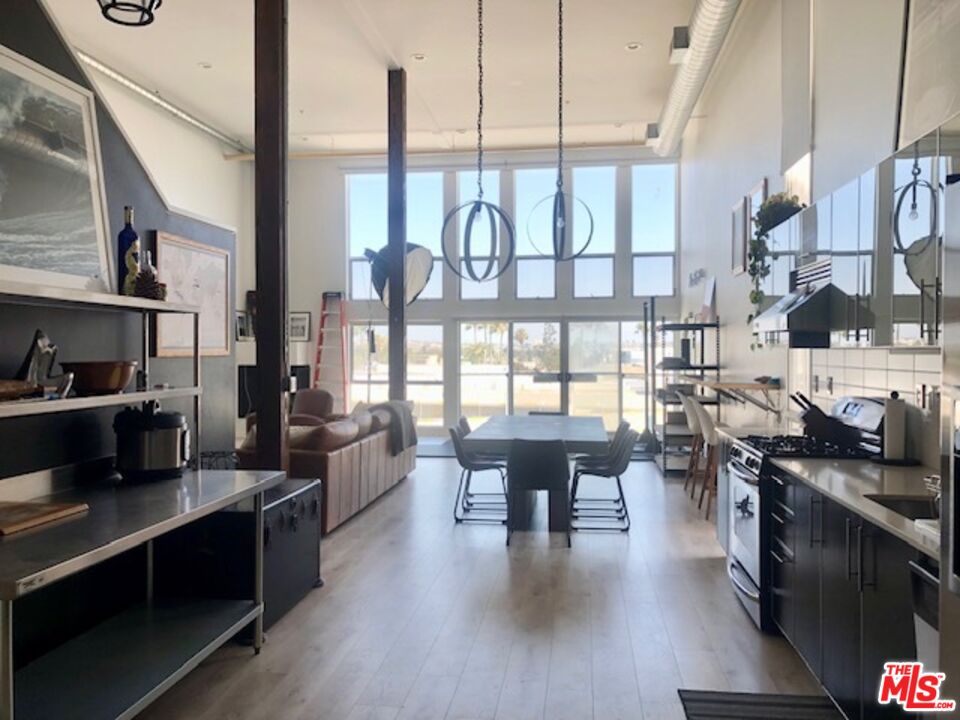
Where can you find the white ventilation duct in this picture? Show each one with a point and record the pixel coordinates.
(708, 29)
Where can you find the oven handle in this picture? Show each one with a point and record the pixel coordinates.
(732, 569)
(740, 475)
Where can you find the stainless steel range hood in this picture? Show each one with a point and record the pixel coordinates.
(813, 309)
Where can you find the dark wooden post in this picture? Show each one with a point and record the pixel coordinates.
(271, 243)
(397, 227)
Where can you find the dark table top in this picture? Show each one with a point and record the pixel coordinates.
(581, 434)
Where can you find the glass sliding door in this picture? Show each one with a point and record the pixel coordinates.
(484, 370)
(536, 367)
(425, 374)
(593, 358)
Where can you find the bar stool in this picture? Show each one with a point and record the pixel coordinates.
(696, 442)
(712, 440)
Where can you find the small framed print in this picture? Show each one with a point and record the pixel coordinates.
(738, 236)
(299, 329)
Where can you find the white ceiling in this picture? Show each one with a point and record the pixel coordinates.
(340, 51)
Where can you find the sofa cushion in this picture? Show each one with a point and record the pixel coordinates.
(333, 435)
(364, 421)
(381, 420)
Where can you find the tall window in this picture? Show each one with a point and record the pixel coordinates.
(654, 228)
(593, 271)
(425, 373)
(536, 275)
(367, 225)
(369, 364)
(484, 368)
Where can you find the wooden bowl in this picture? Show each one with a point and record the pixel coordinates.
(107, 377)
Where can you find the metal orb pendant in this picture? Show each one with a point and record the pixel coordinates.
(562, 244)
(134, 13)
(505, 242)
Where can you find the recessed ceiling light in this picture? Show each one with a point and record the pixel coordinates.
(205, 65)
(633, 46)
(418, 57)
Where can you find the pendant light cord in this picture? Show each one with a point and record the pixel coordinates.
(560, 95)
(480, 99)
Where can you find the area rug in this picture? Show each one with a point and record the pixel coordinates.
(707, 705)
(435, 448)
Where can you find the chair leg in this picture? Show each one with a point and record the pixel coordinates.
(626, 513)
(457, 507)
(709, 475)
(694, 462)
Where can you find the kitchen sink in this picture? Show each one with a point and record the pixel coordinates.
(913, 507)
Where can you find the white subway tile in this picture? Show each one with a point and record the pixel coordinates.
(853, 358)
(900, 380)
(927, 362)
(875, 358)
(874, 379)
(900, 361)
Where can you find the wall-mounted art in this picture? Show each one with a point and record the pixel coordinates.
(195, 274)
(299, 329)
(738, 237)
(53, 228)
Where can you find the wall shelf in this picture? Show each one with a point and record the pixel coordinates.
(39, 406)
(30, 294)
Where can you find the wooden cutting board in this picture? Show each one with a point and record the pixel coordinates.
(18, 516)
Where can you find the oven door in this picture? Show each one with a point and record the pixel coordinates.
(744, 563)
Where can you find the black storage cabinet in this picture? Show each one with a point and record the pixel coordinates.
(213, 558)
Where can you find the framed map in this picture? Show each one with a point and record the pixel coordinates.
(195, 274)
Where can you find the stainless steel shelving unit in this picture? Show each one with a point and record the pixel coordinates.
(45, 296)
(673, 434)
(90, 676)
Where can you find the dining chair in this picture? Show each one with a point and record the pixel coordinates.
(467, 502)
(620, 437)
(616, 517)
(711, 439)
(696, 441)
(538, 465)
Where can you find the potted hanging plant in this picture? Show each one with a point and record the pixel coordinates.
(774, 210)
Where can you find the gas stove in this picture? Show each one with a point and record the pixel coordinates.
(804, 446)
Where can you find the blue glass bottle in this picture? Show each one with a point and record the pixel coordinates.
(128, 248)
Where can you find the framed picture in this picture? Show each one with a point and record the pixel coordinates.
(53, 228)
(243, 327)
(299, 327)
(195, 274)
(756, 198)
(738, 236)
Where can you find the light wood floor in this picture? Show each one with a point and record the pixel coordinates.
(424, 619)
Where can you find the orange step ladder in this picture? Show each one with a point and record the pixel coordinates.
(330, 370)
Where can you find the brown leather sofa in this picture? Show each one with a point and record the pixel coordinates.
(351, 454)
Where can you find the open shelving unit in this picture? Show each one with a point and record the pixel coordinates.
(673, 434)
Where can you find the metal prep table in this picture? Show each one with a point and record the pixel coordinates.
(121, 665)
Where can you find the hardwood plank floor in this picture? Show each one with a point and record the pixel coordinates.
(423, 619)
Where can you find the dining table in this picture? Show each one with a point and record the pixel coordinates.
(580, 434)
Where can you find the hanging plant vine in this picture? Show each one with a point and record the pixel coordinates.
(774, 210)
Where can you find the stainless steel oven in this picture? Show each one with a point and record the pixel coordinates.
(743, 564)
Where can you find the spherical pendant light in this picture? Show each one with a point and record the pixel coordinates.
(133, 13)
(480, 211)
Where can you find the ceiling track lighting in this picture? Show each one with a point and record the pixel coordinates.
(479, 209)
(563, 250)
(132, 13)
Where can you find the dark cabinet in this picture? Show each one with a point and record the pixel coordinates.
(840, 592)
(886, 612)
(840, 617)
(809, 538)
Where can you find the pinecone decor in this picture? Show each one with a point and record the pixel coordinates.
(147, 284)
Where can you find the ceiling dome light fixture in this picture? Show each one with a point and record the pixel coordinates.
(133, 13)
(562, 249)
(480, 210)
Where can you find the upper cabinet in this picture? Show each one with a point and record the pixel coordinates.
(882, 233)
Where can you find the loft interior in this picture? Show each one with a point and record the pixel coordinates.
(483, 360)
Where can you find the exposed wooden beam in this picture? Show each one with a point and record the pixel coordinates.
(271, 243)
(397, 227)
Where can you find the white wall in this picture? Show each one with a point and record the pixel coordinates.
(732, 143)
(189, 169)
(856, 56)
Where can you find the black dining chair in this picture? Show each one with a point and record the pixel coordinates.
(493, 509)
(538, 465)
(614, 516)
(582, 463)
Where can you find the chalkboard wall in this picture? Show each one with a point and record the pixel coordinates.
(47, 441)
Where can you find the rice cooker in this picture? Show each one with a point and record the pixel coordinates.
(151, 444)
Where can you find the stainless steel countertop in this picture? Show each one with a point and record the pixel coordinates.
(120, 517)
(848, 481)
